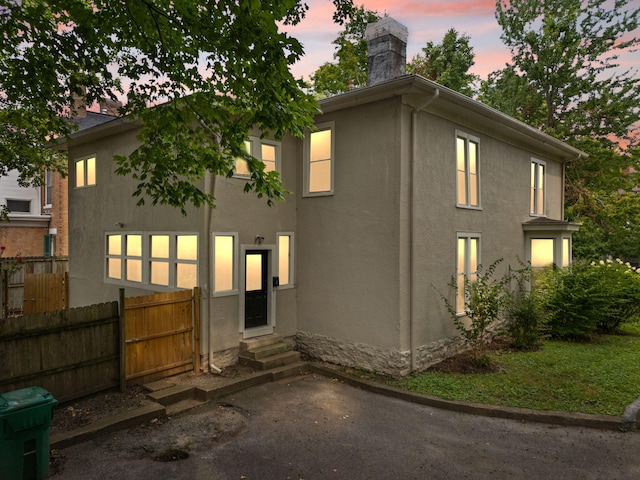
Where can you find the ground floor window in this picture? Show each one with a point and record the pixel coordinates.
(225, 263)
(161, 259)
(468, 258)
(285, 259)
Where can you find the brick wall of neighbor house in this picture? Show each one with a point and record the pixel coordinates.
(24, 241)
(59, 212)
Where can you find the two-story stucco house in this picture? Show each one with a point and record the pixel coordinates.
(403, 185)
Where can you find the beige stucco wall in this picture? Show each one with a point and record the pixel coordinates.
(349, 245)
(95, 211)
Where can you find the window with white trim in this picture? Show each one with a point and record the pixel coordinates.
(225, 263)
(48, 187)
(537, 200)
(468, 259)
(285, 259)
(265, 150)
(319, 158)
(160, 259)
(467, 170)
(18, 206)
(85, 172)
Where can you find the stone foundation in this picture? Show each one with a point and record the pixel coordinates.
(352, 354)
(376, 359)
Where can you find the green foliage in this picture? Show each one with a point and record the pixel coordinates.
(525, 324)
(184, 57)
(350, 70)
(589, 298)
(594, 378)
(447, 63)
(485, 298)
(567, 50)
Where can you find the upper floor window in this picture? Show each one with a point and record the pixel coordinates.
(19, 206)
(48, 187)
(468, 170)
(537, 187)
(319, 158)
(267, 151)
(86, 172)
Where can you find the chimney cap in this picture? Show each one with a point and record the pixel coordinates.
(386, 26)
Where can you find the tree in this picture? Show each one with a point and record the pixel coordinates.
(184, 58)
(567, 50)
(512, 94)
(350, 70)
(447, 63)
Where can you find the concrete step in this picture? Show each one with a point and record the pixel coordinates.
(173, 394)
(273, 361)
(257, 342)
(266, 351)
(183, 406)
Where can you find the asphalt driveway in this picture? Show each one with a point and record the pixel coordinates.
(312, 427)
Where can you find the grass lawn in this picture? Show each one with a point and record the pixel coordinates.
(602, 377)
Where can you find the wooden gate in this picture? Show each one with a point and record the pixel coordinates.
(161, 335)
(44, 292)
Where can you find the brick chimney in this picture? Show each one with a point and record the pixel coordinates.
(110, 107)
(387, 50)
(79, 102)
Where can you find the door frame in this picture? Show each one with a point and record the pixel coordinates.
(271, 298)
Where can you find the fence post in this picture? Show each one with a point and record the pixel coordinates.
(121, 325)
(5, 294)
(196, 330)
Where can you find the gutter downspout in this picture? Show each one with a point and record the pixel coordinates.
(412, 222)
(210, 187)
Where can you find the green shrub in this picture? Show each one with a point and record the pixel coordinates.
(585, 299)
(525, 320)
(484, 302)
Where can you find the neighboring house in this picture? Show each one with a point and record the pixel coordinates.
(38, 218)
(403, 186)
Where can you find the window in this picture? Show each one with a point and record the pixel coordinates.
(468, 170)
(48, 187)
(285, 259)
(537, 187)
(566, 252)
(319, 161)
(86, 172)
(19, 206)
(467, 266)
(542, 251)
(267, 151)
(166, 260)
(225, 261)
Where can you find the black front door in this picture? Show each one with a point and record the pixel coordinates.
(256, 293)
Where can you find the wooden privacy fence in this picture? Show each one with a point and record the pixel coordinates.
(79, 351)
(45, 292)
(12, 286)
(161, 335)
(71, 353)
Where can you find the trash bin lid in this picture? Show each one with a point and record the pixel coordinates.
(19, 399)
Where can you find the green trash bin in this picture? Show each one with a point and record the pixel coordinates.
(25, 419)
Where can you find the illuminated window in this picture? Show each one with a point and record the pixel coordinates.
(537, 187)
(267, 151)
(86, 172)
(542, 251)
(166, 260)
(468, 170)
(225, 260)
(285, 259)
(566, 252)
(319, 161)
(467, 266)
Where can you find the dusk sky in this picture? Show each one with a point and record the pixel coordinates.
(427, 20)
